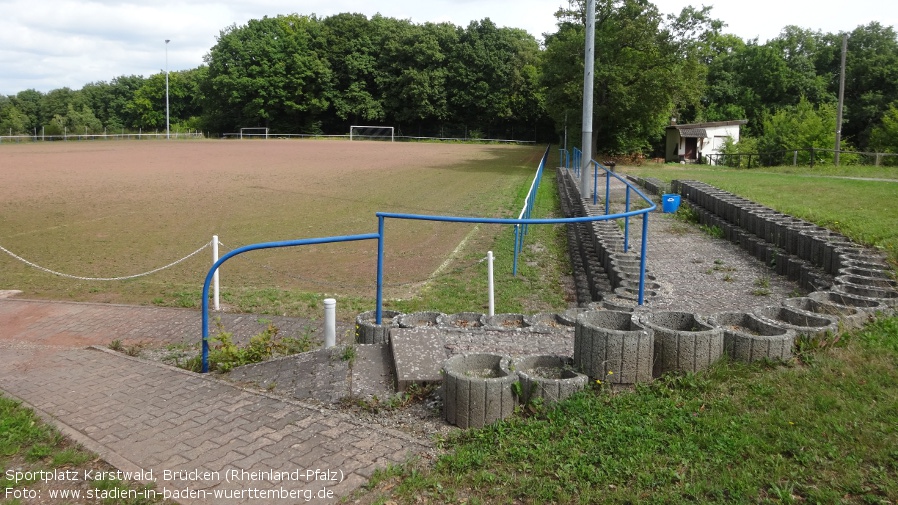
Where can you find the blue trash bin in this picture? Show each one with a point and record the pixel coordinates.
(670, 203)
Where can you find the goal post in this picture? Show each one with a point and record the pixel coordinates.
(254, 131)
(383, 133)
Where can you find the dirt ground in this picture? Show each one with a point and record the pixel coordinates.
(117, 208)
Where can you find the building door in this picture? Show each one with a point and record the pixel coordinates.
(691, 147)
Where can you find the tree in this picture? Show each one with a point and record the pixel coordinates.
(413, 70)
(800, 127)
(110, 101)
(12, 120)
(647, 67)
(884, 137)
(270, 72)
(353, 44)
(493, 77)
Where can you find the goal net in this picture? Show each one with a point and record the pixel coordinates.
(254, 132)
(371, 133)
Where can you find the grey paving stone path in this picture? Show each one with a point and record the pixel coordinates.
(145, 416)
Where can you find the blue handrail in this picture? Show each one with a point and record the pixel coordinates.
(379, 236)
(256, 247)
(520, 231)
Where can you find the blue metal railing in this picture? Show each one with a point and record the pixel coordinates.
(271, 245)
(381, 227)
(627, 206)
(520, 231)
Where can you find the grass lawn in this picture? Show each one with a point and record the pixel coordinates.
(863, 210)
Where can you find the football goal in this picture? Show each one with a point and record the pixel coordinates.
(371, 133)
(254, 132)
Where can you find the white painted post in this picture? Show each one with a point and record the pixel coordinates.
(330, 322)
(215, 275)
(489, 268)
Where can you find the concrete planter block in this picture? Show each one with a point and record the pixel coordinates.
(868, 305)
(804, 324)
(618, 304)
(367, 331)
(887, 297)
(569, 317)
(748, 338)
(683, 342)
(794, 267)
(632, 293)
(611, 341)
(505, 322)
(831, 253)
(549, 378)
(866, 282)
(545, 321)
(477, 389)
(849, 316)
(419, 319)
(867, 272)
(461, 321)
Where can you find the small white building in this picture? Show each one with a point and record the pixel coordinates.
(690, 142)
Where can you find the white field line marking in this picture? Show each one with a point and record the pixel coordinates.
(445, 265)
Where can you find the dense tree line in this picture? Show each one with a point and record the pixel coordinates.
(303, 74)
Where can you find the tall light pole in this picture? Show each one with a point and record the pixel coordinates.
(167, 130)
(588, 80)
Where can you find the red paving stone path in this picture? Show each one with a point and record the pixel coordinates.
(140, 415)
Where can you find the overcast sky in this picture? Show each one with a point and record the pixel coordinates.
(49, 44)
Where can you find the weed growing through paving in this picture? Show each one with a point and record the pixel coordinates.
(225, 354)
(762, 286)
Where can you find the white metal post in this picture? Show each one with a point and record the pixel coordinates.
(215, 275)
(489, 269)
(167, 131)
(588, 80)
(330, 322)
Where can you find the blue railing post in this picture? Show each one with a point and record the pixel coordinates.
(380, 270)
(644, 251)
(595, 184)
(627, 222)
(607, 190)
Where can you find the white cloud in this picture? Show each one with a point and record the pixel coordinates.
(51, 44)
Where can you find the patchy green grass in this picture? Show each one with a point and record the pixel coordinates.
(865, 211)
(543, 266)
(818, 431)
(29, 445)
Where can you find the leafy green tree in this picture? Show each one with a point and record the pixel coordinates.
(110, 100)
(353, 44)
(147, 106)
(493, 77)
(270, 72)
(648, 66)
(413, 70)
(801, 126)
(29, 103)
(12, 120)
(871, 84)
(884, 137)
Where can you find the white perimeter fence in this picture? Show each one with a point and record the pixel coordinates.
(70, 137)
(101, 136)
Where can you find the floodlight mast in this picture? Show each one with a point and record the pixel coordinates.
(167, 123)
(588, 78)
